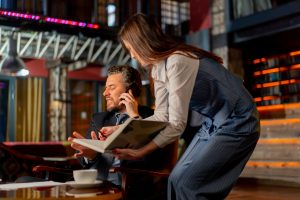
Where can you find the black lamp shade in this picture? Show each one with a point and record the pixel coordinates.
(11, 64)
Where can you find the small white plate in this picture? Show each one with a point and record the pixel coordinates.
(88, 194)
(73, 184)
(85, 192)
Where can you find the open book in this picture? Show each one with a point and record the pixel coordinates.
(133, 133)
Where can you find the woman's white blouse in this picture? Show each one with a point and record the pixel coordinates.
(173, 85)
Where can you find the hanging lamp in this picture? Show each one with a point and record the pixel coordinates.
(12, 64)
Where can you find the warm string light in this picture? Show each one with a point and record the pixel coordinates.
(49, 19)
(275, 141)
(275, 164)
(271, 71)
(279, 107)
(263, 60)
(259, 60)
(276, 83)
(279, 122)
(272, 164)
(275, 70)
(294, 53)
(265, 98)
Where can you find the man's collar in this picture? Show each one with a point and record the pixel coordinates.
(121, 117)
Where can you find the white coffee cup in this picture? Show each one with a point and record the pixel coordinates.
(85, 176)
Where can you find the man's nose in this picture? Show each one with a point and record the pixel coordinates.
(106, 92)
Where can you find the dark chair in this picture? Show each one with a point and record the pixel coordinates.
(18, 163)
(168, 156)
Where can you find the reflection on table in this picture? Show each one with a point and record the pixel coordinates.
(107, 192)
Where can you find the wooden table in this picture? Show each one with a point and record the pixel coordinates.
(63, 192)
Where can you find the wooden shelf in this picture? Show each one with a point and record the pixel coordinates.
(270, 15)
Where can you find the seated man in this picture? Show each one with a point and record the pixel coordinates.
(123, 87)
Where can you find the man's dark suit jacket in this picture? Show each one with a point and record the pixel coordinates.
(103, 162)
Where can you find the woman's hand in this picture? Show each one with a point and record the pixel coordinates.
(81, 150)
(128, 154)
(134, 154)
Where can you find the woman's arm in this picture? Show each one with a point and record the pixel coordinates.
(135, 154)
(180, 75)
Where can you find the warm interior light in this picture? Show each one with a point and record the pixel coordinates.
(279, 141)
(274, 70)
(275, 164)
(56, 104)
(270, 71)
(278, 106)
(276, 83)
(272, 164)
(258, 99)
(279, 122)
(294, 53)
(259, 60)
(22, 72)
(295, 66)
(265, 98)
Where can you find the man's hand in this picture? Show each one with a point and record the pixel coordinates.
(83, 151)
(107, 131)
(130, 103)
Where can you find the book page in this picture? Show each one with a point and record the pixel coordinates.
(132, 134)
(96, 145)
(136, 133)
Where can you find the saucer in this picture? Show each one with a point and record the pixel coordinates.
(83, 192)
(73, 184)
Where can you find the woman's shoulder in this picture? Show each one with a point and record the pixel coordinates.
(174, 62)
(180, 56)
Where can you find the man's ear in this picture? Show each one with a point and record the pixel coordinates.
(133, 88)
(129, 87)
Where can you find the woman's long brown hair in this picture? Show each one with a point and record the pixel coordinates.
(151, 44)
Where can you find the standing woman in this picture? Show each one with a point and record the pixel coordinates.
(193, 88)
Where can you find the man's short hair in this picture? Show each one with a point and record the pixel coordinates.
(131, 76)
